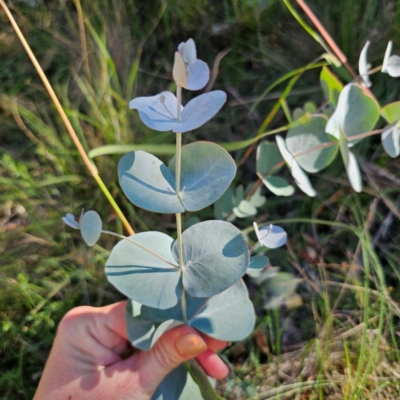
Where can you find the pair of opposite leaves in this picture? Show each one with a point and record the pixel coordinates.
(163, 113)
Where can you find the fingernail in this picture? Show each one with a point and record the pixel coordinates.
(190, 345)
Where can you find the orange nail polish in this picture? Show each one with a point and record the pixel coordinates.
(190, 344)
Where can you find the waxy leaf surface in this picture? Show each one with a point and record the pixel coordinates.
(307, 138)
(391, 135)
(91, 225)
(178, 385)
(388, 52)
(278, 186)
(69, 220)
(393, 66)
(244, 209)
(144, 267)
(356, 113)
(350, 163)
(268, 158)
(298, 174)
(257, 199)
(148, 183)
(227, 316)
(188, 71)
(257, 264)
(363, 65)
(200, 110)
(148, 277)
(223, 206)
(270, 236)
(391, 141)
(215, 256)
(353, 172)
(206, 172)
(188, 381)
(159, 112)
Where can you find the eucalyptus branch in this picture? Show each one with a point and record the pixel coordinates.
(178, 158)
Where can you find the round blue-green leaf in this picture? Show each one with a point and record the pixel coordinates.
(145, 325)
(180, 385)
(257, 199)
(145, 272)
(158, 112)
(268, 158)
(207, 170)
(91, 225)
(270, 236)
(258, 263)
(148, 183)
(307, 140)
(391, 141)
(69, 220)
(393, 66)
(215, 256)
(200, 110)
(198, 74)
(173, 385)
(278, 186)
(224, 205)
(356, 113)
(188, 71)
(244, 209)
(226, 316)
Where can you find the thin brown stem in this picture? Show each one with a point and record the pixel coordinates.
(327, 37)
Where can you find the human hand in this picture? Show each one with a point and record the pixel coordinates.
(85, 361)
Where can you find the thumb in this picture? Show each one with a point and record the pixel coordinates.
(172, 349)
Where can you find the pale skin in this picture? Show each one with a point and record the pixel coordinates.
(85, 361)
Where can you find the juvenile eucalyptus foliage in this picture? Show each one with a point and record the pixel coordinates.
(195, 279)
(317, 136)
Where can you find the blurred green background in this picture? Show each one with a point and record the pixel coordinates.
(99, 55)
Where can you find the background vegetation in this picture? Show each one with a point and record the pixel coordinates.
(339, 337)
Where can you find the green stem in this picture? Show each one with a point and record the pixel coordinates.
(179, 234)
(114, 205)
(178, 158)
